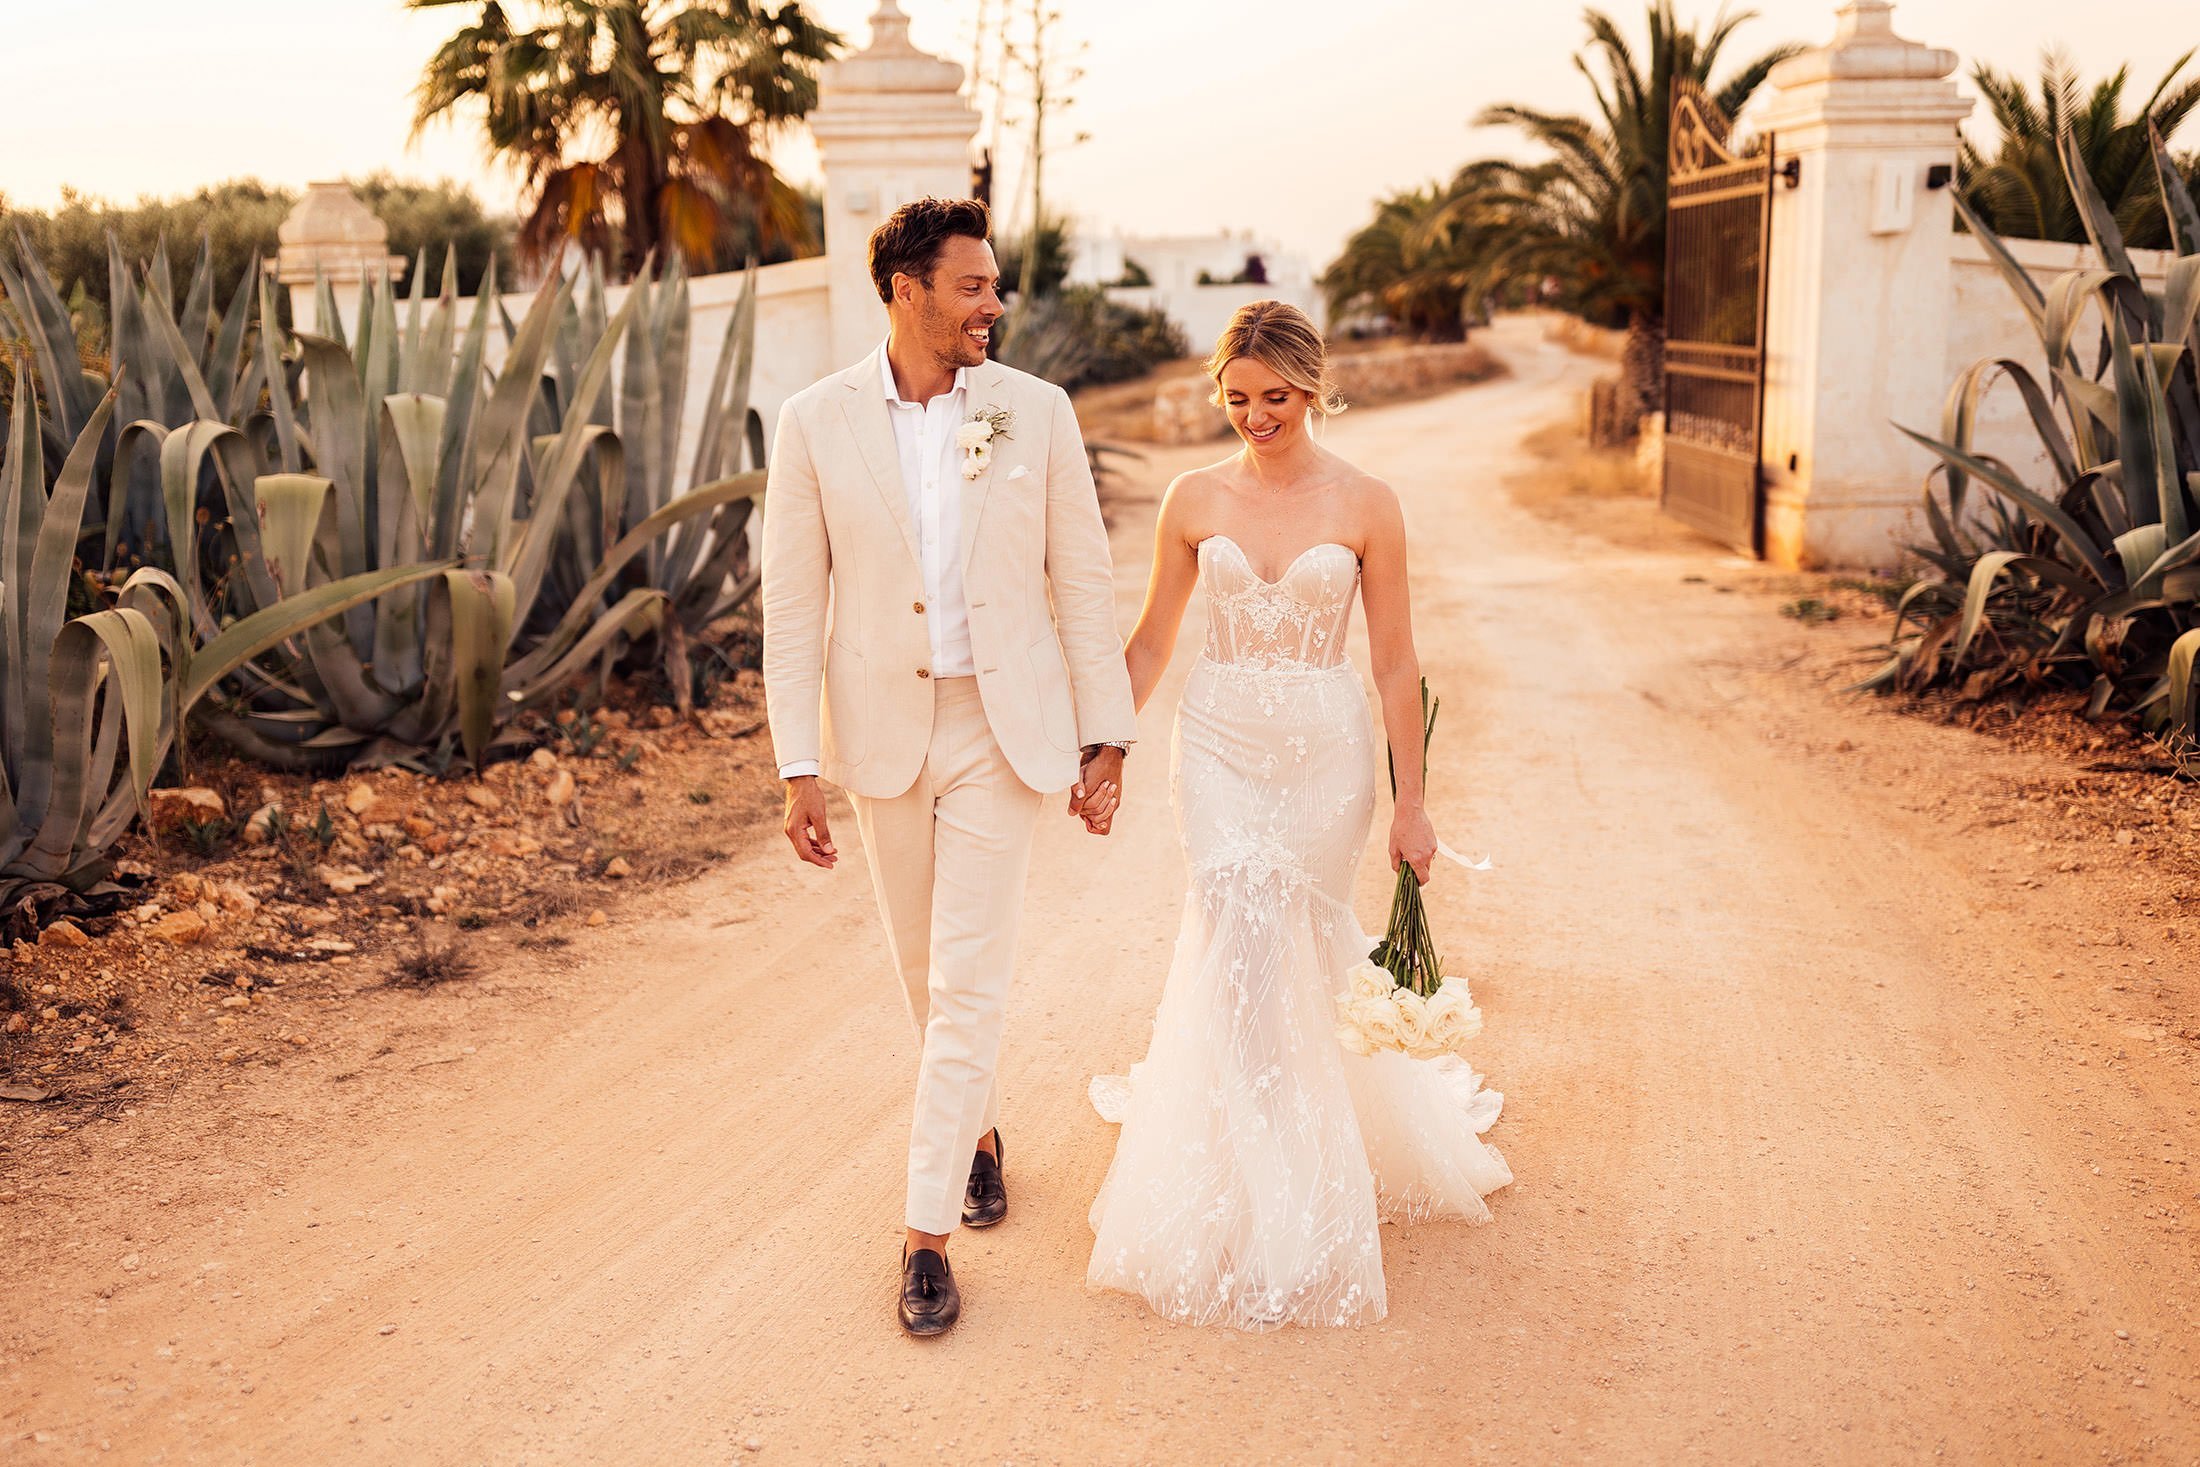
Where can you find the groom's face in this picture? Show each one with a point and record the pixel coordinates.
(952, 314)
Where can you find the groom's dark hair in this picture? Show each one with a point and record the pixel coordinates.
(910, 240)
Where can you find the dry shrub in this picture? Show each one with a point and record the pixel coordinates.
(431, 964)
(1579, 471)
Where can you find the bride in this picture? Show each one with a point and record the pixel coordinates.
(1256, 1154)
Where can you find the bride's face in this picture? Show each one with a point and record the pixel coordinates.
(1267, 412)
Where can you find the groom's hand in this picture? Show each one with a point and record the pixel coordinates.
(805, 825)
(1099, 788)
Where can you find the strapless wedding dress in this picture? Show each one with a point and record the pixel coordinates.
(1257, 1155)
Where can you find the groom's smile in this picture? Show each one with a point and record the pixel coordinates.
(957, 307)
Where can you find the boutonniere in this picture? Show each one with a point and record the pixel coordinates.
(975, 438)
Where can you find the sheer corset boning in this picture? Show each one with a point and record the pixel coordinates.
(1296, 622)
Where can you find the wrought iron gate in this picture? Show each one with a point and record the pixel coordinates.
(1718, 227)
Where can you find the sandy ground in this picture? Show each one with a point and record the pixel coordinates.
(1845, 1131)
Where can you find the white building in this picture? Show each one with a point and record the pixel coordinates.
(1174, 266)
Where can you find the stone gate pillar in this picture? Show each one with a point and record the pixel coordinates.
(329, 234)
(891, 126)
(1859, 290)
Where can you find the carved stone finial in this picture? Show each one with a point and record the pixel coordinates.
(1866, 48)
(1873, 18)
(889, 30)
(330, 233)
(889, 64)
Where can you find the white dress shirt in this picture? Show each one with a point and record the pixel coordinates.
(931, 476)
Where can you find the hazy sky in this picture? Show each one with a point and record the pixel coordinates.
(1286, 117)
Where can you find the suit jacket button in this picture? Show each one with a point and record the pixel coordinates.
(924, 672)
(917, 607)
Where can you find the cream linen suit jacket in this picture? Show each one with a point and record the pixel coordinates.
(846, 652)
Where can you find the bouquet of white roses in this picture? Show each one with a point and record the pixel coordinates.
(1399, 997)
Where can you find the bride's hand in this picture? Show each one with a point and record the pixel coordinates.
(1413, 841)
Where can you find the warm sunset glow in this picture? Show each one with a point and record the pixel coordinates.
(1182, 100)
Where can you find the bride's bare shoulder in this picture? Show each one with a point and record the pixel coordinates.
(1188, 504)
(1202, 481)
(1371, 498)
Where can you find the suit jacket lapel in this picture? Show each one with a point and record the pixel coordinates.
(988, 388)
(873, 431)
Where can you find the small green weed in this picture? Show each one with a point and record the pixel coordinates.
(1811, 610)
(1886, 590)
(206, 837)
(583, 731)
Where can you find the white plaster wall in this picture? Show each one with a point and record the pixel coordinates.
(1988, 322)
(793, 334)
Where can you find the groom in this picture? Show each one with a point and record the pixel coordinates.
(940, 642)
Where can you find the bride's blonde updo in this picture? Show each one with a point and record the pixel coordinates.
(1281, 338)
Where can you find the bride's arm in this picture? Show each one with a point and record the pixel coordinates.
(1168, 591)
(1397, 671)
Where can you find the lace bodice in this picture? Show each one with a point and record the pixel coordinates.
(1296, 621)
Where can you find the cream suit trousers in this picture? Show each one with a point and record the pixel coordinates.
(948, 859)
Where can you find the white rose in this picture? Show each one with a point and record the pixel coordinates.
(1369, 979)
(1412, 1012)
(1452, 1017)
(1379, 1020)
(1421, 1040)
(1349, 1035)
(976, 433)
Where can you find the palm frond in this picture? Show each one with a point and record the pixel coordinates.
(621, 89)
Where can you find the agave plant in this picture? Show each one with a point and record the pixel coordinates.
(261, 464)
(174, 363)
(418, 452)
(700, 566)
(90, 705)
(2093, 581)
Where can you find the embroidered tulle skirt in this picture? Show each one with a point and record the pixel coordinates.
(1257, 1156)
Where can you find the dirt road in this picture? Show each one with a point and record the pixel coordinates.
(1841, 1134)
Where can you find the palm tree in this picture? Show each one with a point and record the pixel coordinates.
(1586, 227)
(1411, 264)
(640, 119)
(2022, 188)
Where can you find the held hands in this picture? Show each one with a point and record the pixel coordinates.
(805, 823)
(1412, 841)
(1099, 788)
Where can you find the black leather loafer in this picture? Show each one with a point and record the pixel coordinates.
(930, 1302)
(985, 1197)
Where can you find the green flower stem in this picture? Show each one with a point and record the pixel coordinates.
(1408, 949)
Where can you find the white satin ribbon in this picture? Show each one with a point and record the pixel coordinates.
(1451, 855)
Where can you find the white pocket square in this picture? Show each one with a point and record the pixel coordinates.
(1017, 473)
